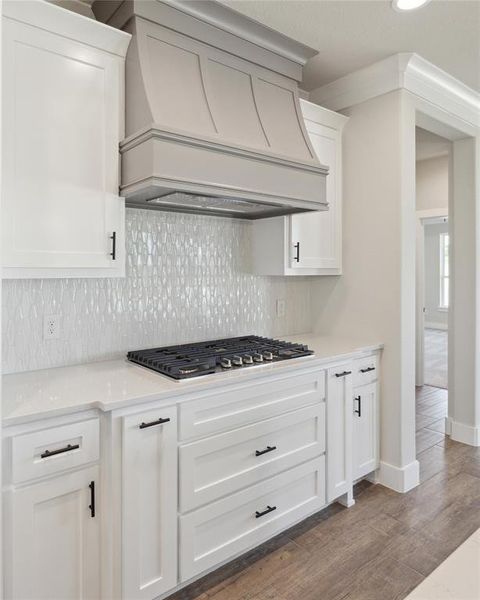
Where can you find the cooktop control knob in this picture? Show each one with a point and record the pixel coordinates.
(237, 361)
(248, 359)
(257, 357)
(226, 363)
(267, 355)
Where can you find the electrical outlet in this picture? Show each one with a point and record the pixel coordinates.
(51, 327)
(280, 308)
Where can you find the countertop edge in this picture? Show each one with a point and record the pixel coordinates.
(183, 393)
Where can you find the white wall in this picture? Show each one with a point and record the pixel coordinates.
(434, 317)
(432, 183)
(375, 298)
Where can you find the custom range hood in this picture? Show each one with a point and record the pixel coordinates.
(213, 121)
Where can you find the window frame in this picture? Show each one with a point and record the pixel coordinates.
(444, 272)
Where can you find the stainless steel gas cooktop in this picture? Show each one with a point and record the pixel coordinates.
(204, 358)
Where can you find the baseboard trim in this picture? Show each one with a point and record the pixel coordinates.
(448, 425)
(441, 326)
(466, 434)
(399, 479)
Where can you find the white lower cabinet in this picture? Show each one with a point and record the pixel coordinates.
(365, 430)
(223, 529)
(249, 460)
(55, 537)
(149, 510)
(339, 430)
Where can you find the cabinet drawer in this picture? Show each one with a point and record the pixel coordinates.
(238, 522)
(220, 465)
(248, 404)
(365, 370)
(50, 451)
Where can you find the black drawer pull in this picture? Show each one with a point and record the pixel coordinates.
(113, 253)
(152, 423)
(68, 448)
(367, 370)
(358, 411)
(91, 506)
(343, 374)
(267, 449)
(269, 509)
(297, 255)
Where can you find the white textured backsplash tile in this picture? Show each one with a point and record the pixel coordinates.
(187, 280)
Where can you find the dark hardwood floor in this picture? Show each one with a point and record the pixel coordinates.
(381, 548)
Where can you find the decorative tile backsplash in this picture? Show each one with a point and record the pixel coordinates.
(187, 280)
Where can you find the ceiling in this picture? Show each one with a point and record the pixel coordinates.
(429, 145)
(351, 34)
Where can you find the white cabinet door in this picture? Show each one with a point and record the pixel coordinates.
(307, 243)
(62, 110)
(55, 539)
(339, 430)
(315, 238)
(149, 535)
(365, 430)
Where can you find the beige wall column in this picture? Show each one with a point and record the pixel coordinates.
(464, 323)
(375, 297)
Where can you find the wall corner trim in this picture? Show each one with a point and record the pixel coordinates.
(404, 71)
(399, 479)
(466, 434)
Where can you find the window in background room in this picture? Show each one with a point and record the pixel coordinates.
(444, 270)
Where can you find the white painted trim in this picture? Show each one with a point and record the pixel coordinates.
(407, 71)
(323, 116)
(466, 434)
(399, 479)
(69, 25)
(448, 425)
(432, 213)
(433, 325)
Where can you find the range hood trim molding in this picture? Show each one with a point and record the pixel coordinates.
(158, 132)
(131, 191)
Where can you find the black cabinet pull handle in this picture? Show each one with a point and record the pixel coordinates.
(91, 506)
(297, 255)
(267, 449)
(358, 411)
(113, 253)
(67, 448)
(153, 423)
(269, 509)
(343, 374)
(367, 370)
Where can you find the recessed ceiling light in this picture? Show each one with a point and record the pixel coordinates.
(402, 5)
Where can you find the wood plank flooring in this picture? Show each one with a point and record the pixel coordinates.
(381, 548)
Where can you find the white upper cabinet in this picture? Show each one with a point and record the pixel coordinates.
(308, 243)
(63, 86)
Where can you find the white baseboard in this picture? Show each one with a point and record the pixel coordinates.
(399, 479)
(441, 326)
(466, 434)
(448, 425)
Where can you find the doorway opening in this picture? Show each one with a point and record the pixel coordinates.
(433, 288)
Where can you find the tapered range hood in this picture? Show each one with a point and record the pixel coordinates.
(213, 121)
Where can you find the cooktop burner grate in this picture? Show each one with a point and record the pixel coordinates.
(202, 358)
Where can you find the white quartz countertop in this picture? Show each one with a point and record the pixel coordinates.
(112, 384)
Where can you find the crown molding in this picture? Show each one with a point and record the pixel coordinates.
(404, 71)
